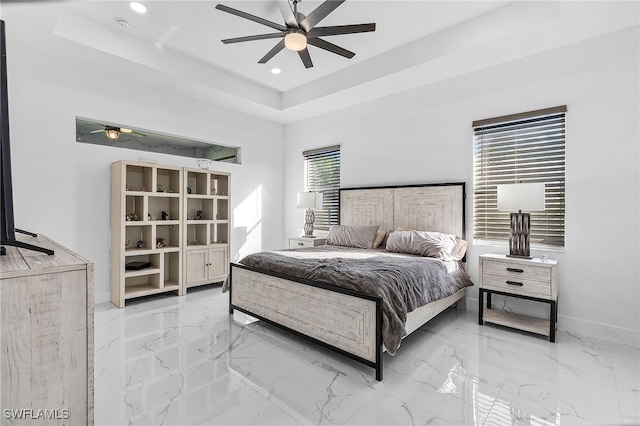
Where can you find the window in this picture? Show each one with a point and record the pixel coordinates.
(322, 174)
(520, 148)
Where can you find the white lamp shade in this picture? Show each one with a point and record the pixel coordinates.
(521, 196)
(309, 200)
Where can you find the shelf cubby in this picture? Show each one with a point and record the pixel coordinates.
(222, 209)
(141, 285)
(170, 234)
(139, 178)
(197, 234)
(199, 204)
(172, 271)
(168, 179)
(220, 233)
(135, 233)
(153, 258)
(134, 208)
(197, 182)
(160, 203)
(220, 183)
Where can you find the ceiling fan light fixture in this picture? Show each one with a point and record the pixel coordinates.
(112, 134)
(295, 40)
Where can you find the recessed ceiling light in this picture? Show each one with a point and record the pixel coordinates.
(138, 7)
(276, 70)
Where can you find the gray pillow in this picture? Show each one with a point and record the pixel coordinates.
(423, 243)
(352, 236)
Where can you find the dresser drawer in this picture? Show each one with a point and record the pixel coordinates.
(516, 271)
(519, 285)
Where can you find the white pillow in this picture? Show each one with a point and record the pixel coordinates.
(459, 250)
(427, 243)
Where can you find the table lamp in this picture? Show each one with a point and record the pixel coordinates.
(309, 201)
(521, 196)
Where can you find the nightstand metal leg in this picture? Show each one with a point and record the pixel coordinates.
(480, 306)
(553, 317)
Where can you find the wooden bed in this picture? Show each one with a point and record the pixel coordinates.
(346, 321)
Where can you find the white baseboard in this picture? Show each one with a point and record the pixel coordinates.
(574, 325)
(571, 325)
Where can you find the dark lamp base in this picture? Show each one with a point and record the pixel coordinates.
(519, 257)
(519, 240)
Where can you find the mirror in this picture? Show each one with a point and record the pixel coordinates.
(121, 136)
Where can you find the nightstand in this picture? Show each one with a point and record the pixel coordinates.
(300, 242)
(532, 279)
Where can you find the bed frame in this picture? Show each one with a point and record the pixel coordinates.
(347, 321)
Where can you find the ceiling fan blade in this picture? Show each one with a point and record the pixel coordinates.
(97, 131)
(250, 17)
(306, 58)
(319, 14)
(270, 54)
(330, 47)
(341, 29)
(252, 38)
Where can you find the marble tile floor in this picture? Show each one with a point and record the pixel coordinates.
(184, 361)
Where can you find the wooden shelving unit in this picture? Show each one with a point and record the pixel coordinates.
(146, 226)
(176, 219)
(207, 226)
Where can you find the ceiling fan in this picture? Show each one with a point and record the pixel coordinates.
(296, 33)
(113, 132)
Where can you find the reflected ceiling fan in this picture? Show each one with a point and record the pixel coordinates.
(301, 30)
(113, 132)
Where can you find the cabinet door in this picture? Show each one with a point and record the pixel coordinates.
(196, 266)
(218, 264)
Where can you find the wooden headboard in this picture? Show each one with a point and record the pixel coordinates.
(429, 207)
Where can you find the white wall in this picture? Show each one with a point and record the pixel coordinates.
(62, 188)
(425, 135)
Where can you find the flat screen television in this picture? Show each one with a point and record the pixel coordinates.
(8, 231)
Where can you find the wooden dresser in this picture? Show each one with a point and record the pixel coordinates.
(46, 336)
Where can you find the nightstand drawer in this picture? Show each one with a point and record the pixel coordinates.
(517, 271)
(517, 285)
(301, 242)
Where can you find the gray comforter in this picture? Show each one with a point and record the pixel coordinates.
(405, 282)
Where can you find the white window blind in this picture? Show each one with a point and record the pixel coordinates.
(520, 148)
(322, 174)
